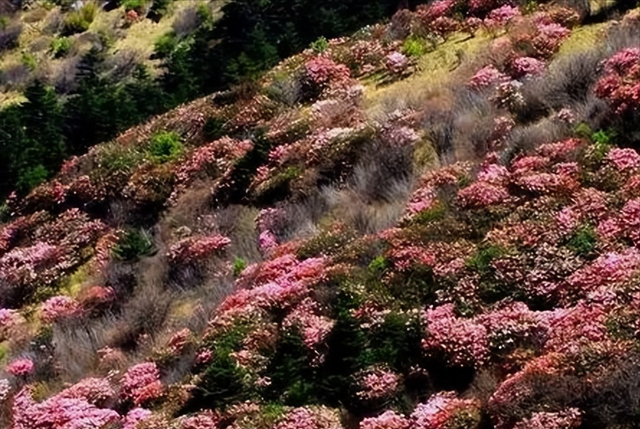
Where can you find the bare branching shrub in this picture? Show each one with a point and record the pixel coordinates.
(528, 137)
(76, 343)
(122, 64)
(53, 22)
(567, 82)
(15, 75)
(144, 314)
(382, 173)
(286, 90)
(63, 77)
(9, 35)
(188, 20)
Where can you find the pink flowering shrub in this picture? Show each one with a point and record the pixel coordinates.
(310, 418)
(195, 249)
(483, 194)
(462, 342)
(141, 383)
(567, 419)
(501, 16)
(487, 76)
(59, 413)
(377, 383)
(204, 420)
(620, 84)
(624, 160)
(20, 367)
(59, 308)
(313, 326)
(396, 63)
(527, 66)
(93, 390)
(135, 416)
(386, 420)
(326, 74)
(443, 410)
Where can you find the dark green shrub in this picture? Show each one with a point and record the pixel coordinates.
(60, 46)
(214, 128)
(292, 375)
(583, 241)
(134, 244)
(320, 45)
(481, 261)
(239, 265)
(165, 146)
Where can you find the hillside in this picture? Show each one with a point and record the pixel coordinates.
(430, 223)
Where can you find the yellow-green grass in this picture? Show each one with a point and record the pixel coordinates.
(433, 72)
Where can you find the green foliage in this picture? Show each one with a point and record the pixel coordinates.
(320, 45)
(433, 214)
(396, 343)
(32, 177)
(291, 372)
(79, 21)
(583, 241)
(239, 265)
(214, 128)
(415, 46)
(602, 141)
(346, 344)
(221, 382)
(165, 146)
(379, 264)
(136, 5)
(134, 244)
(29, 60)
(60, 46)
(481, 261)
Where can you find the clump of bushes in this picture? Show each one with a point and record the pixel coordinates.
(165, 146)
(80, 20)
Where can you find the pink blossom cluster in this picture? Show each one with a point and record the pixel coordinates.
(20, 367)
(141, 383)
(59, 308)
(439, 411)
(310, 418)
(42, 262)
(461, 341)
(396, 63)
(8, 319)
(326, 73)
(620, 84)
(59, 413)
(203, 420)
(135, 416)
(566, 419)
(179, 340)
(313, 326)
(501, 16)
(624, 160)
(212, 160)
(487, 76)
(527, 66)
(607, 269)
(378, 383)
(93, 390)
(387, 420)
(197, 248)
(483, 194)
